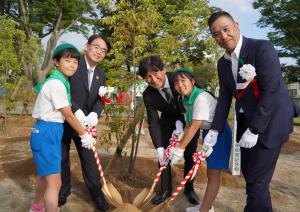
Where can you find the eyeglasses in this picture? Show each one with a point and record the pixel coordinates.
(98, 48)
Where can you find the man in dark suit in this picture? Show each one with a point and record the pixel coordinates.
(86, 106)
(264, 109)
(161, 102)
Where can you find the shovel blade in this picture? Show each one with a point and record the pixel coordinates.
(162, 207)
(115, 195)
(139, 199)
(147, 203)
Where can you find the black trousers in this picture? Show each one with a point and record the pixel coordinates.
(88, 163)
(258, 164)
(166, 176)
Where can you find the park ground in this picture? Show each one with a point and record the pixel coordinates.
(17, 175)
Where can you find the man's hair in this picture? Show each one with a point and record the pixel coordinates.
(95, 36)
(151, 63)
(217, 15)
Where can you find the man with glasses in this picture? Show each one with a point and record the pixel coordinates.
(86, 106)
(163, 110)
(250, 71)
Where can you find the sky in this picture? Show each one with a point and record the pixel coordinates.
(241, 10)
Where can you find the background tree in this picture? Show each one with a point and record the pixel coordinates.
(52, 18)
(284, 18)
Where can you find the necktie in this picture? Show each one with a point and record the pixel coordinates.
(167, 94)
(90, 79)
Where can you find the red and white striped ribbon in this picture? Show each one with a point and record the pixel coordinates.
(199, 158)
(93, 132)
(174, 141)
(159, 173)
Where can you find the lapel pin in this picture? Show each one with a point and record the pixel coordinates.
(97, 77)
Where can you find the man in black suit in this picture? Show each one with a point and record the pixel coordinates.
(162, 105)
(264, 109)
(86, 106)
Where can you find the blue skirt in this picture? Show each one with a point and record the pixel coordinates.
(219, 159)
(45, 142)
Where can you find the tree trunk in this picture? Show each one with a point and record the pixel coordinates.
(124, 139)
(50, 47)
(24, 19)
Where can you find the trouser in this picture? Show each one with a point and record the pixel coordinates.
(258, 164)
(88, 163)
(166, 176)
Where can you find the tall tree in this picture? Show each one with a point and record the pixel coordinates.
(50, 18)
(284, 18)
(172, 29)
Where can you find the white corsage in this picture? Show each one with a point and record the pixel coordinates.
(103, 92)
(247, 72)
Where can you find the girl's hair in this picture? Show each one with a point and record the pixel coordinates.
(68, 52)
(188, 75)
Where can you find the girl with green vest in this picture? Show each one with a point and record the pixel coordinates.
(199, 108)
(51, 109)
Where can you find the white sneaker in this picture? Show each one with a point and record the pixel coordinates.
(197, 208)
(193, 209)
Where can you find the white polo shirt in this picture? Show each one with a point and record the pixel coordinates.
(52, 97)
(203, 109)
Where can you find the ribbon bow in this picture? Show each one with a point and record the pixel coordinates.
(174, 140)
(92, 131)
(198, 158)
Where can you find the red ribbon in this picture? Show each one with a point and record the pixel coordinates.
(105, 100)
(255, 87)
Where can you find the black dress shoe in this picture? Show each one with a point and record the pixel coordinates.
(101, 203)
(192, 197)
(161, 197)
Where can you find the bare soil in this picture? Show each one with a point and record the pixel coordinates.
(17, 175)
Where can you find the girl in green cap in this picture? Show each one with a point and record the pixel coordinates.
(51, 109)
(199, 112)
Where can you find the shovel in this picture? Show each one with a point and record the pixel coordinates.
(199, 159)
(110, 192)
(144, 197)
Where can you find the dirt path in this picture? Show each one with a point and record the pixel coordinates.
(17, 177)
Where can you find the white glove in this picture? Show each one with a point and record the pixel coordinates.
(177, 155)
(81, 117)
(87, 141)
(179, 129)
(132, 106)
(210, 139)
(160, 155)
(248, 139)
(102, 91)
(92, 119)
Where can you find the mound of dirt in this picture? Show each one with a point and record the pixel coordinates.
(17, 178)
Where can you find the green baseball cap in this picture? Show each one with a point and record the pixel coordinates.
(62, 47)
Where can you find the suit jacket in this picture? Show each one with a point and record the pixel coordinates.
(272, 114)
(83, 98)
(161, 127)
